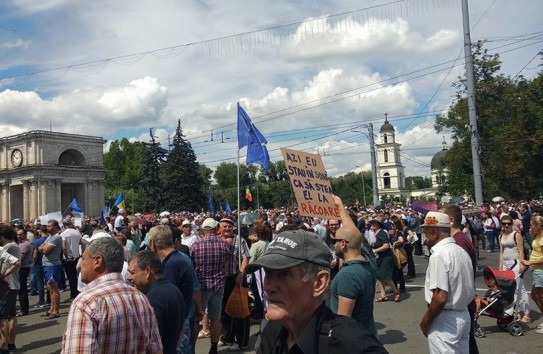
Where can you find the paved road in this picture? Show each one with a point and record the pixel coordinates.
(397, 324)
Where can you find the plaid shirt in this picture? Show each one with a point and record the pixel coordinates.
(210, 255)
(110, 316)
(233, 265)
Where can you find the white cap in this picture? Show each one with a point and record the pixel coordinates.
(186, 222)
(210, 224)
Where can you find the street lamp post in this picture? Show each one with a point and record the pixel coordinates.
(363, 188)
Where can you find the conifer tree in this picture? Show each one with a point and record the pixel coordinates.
(152, 191)
(181, 176)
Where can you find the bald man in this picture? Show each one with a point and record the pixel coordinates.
(353, 287)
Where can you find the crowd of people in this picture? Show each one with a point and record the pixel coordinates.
(158, 282)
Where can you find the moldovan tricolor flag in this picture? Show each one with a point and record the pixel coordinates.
(248, 194)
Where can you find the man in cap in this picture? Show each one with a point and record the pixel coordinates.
(188, 237)
(236, 331)
(297, 265)
(449, 288)
(455, 215)
(210, 255)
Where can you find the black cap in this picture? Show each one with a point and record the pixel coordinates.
(291, 248)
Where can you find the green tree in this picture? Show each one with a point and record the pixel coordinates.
(205, 174)
(352, 187)
(276, 189)
(152, 191)
(226, 176)
(124, 163)
(418, 182)
(181, 177)
(510, 126)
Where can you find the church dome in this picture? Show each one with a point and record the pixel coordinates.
(439, 161)
(387, 127)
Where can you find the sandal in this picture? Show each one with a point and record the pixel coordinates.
(397, 297)
(526, 319)
(45, 314)
(381, 299)
(52, 316)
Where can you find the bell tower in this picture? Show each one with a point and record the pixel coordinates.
(390, 171)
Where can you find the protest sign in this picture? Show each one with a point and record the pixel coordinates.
(310, 183)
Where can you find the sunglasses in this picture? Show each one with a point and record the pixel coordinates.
(506, 223)
(336, 240)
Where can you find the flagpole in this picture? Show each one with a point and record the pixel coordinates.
(239, 220)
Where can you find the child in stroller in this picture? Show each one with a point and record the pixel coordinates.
(490, 295)
(498, 301)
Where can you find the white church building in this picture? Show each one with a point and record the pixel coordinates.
(391, 172)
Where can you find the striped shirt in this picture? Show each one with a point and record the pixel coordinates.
(210, 255)
(110, 316)
(233, 266)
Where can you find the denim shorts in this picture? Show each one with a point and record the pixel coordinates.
(537, 278)
(52, 273)
(212, 299)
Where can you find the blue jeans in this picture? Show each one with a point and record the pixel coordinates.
(490, 239)
(33, 280)
(40, 279)
(186, 346)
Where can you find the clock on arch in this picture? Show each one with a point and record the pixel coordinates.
(17, 158)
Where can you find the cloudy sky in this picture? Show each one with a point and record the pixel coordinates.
(310, 73)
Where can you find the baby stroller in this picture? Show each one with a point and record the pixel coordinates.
(501, 304)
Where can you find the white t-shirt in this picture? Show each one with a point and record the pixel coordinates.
(118, 221)
(72, 237)
(188, 241)
(6, 261)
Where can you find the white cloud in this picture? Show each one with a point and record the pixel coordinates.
(268, 71)
(319, 38)
(33, 6)
(94, 110)
(15, 43)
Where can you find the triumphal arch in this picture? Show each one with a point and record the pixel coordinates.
(42, 172)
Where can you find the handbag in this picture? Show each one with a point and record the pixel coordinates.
(400, 257)
(238, 303)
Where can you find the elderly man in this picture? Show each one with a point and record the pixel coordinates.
(109, 315)
(455, 215)
(236, 331)
(145, 273)
(176, 268)
(353, 287)
(297, 266)
(211, 255)
(188, 237)
(449, 288)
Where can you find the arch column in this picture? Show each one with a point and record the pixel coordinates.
(26, 199)
(34, 190)
(4, 202)
(58, 195)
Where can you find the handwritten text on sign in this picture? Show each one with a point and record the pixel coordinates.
(310, 184)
